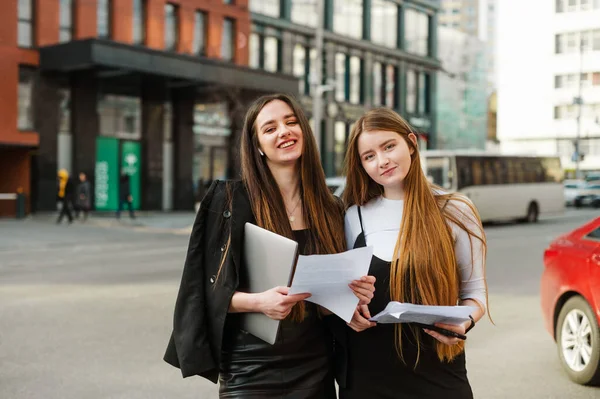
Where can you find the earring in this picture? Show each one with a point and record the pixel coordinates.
(262, 154)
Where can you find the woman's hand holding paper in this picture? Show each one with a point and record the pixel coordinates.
(364, 289)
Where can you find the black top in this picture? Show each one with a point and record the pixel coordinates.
(374, 367)
(298, 365)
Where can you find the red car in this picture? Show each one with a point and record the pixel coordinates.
(570, 293)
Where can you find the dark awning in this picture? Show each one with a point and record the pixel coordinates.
(104, 54)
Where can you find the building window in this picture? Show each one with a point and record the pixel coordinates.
(25, 103)
(255, 50)
(303, 66)
(265, 49)
(411, 91)
(304, 12)
(228, 2)
(377, 84)
(390, 86)
(25, 23)
(103, 18)
(139, 21)
(266, 7)
(227, 44)
(171, 26)
(340, 77)
(355, 96)
(199, 45)
(416, 32)
(348, 18)
(64, 125)
(423, 108)
(340, 137)
(66, 21)
(120, 116)
(384, 23)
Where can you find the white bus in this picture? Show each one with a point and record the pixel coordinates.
(502, 187)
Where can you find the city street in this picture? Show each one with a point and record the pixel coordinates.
(86, 312)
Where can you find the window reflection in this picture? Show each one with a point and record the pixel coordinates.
(66, 20)
(384, 23)
(254, 50)
(348, 18)
(227, 46)
(266, 7)
(300, 67)
(304, 12)
(390, 86)
(139, 21)
(340, 77)
(199, 45)
(423, 93)
(340, 136)
(171, 26)
(377, 83)
(25, 23)
(120, 116)
(411, 91)
(25, 104)
(355, 80)
(416, 32)
(103, 14)
(271, 54)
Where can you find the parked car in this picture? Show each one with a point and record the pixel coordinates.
(588, 195)
(570, 298)
(572, 189)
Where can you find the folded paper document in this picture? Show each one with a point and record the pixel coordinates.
(398, 312)
(326, 278)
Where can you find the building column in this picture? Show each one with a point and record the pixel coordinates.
(183, 101)
(154, 94)
(85, 126)
(44, 163)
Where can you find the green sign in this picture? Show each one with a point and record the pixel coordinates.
(131, 164)
(106, 187)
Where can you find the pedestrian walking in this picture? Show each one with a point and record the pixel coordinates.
(283, 190)
(125, 197)
(84, 197)
(64, 196)
(428, 248)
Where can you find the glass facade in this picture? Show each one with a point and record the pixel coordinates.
(25, 23)
(341, 87)
(304, 12)
(390, 96)
(416, 32)
(340, 135)
(384, 23)
(265, 49)
(227, 43)
(266, 7)
(103, 18)
(25, 103)
(199, 45)
(255, 50)
(355, 95)
(120, 116)
(348, 18)
(377, 84)
(211, 128)
(139, 21)
(300, 67)
(411, 91)
(171, 26)
(66, 21)
(271, 54)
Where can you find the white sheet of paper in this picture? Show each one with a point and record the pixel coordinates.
(326, 277)
(398, 312)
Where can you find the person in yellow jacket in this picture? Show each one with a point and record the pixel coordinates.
(64, 195)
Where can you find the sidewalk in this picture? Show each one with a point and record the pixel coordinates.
(179, 222)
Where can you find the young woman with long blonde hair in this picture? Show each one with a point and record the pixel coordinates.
(283, 190)
(429, 248)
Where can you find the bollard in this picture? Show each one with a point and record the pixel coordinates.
(20, 206)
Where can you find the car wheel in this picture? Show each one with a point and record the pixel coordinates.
(532, 213)
(578, 341)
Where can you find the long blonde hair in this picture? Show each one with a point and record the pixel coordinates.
(424, 269)
(323, 213)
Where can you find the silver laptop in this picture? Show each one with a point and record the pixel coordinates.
(270, 261)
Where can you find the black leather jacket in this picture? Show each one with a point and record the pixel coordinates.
(203, 300)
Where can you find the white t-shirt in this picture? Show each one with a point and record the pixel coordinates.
(381, 221)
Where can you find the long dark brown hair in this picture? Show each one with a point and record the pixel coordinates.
(424, 268)
(322, 212)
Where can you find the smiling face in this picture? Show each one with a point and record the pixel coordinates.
(279, 133)
(386, 157)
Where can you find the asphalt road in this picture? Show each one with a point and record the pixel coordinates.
(85, 312)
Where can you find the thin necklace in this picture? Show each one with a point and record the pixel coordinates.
(291, 214)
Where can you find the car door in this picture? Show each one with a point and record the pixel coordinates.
(593, 238)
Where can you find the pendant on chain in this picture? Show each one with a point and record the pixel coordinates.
(292, 218)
